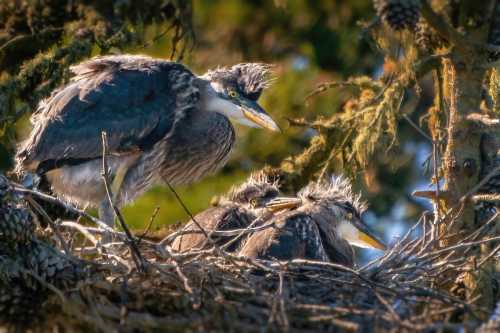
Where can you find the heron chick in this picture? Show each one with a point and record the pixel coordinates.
(163, 123)
(242, 206)
(323, 227)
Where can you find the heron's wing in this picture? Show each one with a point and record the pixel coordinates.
(226, 217)
(133, 99)
(337, 250)
(295, 235)
(256, 245)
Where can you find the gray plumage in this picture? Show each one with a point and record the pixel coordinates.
(238, 210)
(316, 229)
(294, 235)
(162, 123)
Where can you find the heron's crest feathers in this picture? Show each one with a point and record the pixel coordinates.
(334, 188)
(251, 78)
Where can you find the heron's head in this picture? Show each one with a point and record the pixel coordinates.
(258, 191)
(237, 90)
(337, 210)
(255, 192)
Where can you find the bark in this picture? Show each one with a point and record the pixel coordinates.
(463, 72)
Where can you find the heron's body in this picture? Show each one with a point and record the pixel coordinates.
(163, 123)
(228, 216)
(323, 227)
(142, 126)
(296, 235)
(244, 205)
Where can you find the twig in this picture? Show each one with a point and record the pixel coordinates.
(136, 254)
(82, 229)
(483, 181)
(415, 126)
(18, 188)
(52, 224)
(225, 233)
(489, 256)
(188, 212)
(328, 85)
(486, 197)
(150, 224)
(259, 219)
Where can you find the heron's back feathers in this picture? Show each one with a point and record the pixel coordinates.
(294, 235)
(136, 100)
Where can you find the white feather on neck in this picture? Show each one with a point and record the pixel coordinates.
(350, 233)
(223, 106)
(226, 107)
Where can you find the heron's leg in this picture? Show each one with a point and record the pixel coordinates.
(118, 180)
(106, 213)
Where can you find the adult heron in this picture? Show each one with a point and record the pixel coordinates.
(324, 227)
(163, 123)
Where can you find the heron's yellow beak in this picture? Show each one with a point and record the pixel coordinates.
(371, 241)
(356, 233)
(283, 203)
(255, 114)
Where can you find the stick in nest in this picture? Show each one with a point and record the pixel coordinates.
(136, 254)
(198, 225)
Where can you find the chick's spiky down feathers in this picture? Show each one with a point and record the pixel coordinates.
(335, 188)
(240, 207)
(258, 184)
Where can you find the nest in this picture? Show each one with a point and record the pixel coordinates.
(136, 284)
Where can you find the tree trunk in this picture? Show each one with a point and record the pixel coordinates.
(462, 82)
(463, 73)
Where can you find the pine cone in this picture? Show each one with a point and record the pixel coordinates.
(53, 266)
(427, 38)
(398, 14)
(21, 295)
(19, 304)
(23, 278)
(16, 224)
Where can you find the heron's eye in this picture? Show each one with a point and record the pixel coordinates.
(233, 93)
(254, 202)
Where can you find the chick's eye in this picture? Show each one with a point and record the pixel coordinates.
(233, 93)
(349, 216)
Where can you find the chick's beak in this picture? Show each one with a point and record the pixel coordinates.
(372, 241)
(254, 113)
(357, 233)
(283, 203)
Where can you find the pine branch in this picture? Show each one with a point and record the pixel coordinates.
(439, 24)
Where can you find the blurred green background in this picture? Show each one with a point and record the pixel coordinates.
(310, 42)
